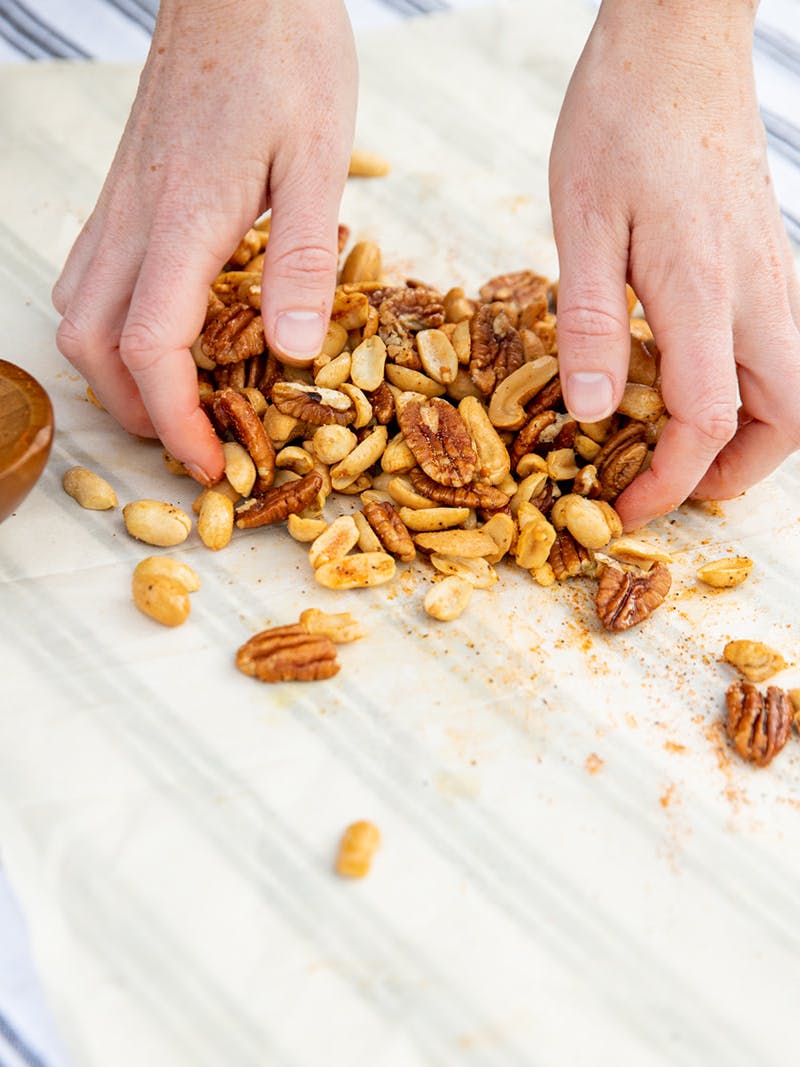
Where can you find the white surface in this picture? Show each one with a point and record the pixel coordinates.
(170, 824)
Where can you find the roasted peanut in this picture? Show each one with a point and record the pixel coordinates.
(89, 489)
(448, 598)
(156, 523)
(356, 572)
(334, 542)
(169, 568)
(723, 573)
(357, 849)
(215, 521)
(163, 598)
(239, 467)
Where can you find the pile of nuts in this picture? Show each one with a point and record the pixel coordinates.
(441, 417)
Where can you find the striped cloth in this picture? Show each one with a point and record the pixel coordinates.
(120, 30)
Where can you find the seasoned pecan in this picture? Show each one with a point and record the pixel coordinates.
(568, 558)
(288, 654)
(528, 437)
(625, 599)
(313, 404)
(382, 402)
(620, 459)
(522, 288)
(758, 725)
(392, 532)
(496, 348)
(235, 334)
(439, 440)
(545, 499)
(567, 431)
(230, 377)
(232, 412)
(402, 313)
(548, 397)
(279, 503)
(478, 495)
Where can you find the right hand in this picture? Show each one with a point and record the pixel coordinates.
(239, 108)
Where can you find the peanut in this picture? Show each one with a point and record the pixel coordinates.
(448, 598)
(89, 489)
(215, 521)
(163, 598)
(156, 523)
(359, 843)
(169, 568)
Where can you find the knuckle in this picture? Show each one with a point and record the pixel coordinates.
(304, 263)
(589, 318)
(72, 340)
(716, 422)
(139, 346)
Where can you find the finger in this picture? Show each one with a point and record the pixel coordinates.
(166, 315)
(90, 330)
(302, 258)
(772, 432)
(793, 282)
(593, 322)
(698, 382)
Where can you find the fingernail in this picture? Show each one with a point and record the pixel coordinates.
(300, 333)
(198, 473)
(590, 397)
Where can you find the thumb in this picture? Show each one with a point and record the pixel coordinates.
(593, 323)
(301, 262)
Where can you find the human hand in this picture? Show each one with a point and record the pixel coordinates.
(659, 175)
(239, 108)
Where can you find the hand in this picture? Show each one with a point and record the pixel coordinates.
(239, 108)
(659, 175)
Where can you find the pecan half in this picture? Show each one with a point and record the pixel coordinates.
(391, 531)
(382, 404)
(313, 404)
(758, 725)
(522, 288)
(232, 412)
(568, 558)
(620, 459)
(488, 497)
(439, 440)
(235, 334)
(279, 503)
(528, 437)
(403, 313)
(548, 397)
(496, 348)
(625, 599)
(288, 654)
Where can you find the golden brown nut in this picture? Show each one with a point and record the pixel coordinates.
(288, 654)
(495, 348)
(440, 441)
(620, 459)
(390, 529)
(277, 504)
(313, 404)
(569, 559)
(522, 288)
(476, 495)
(231, 412)
(759, 726)
(358, 846)
(625, 599)
(235, 334)
(724, 573)
(754, 660)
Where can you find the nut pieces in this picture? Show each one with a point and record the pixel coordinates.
(759, 726)
(755, 661)
(625, 599)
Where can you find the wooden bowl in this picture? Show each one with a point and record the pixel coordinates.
(26, 434)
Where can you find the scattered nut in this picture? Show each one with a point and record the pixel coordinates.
(448, 598)
(625, 599)
(160, 596)
(755, 661)
(170, 568)
(156, 523)
(723, 573)
(759, 726)
(359, 844)
(288, 654)
(89, 489)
